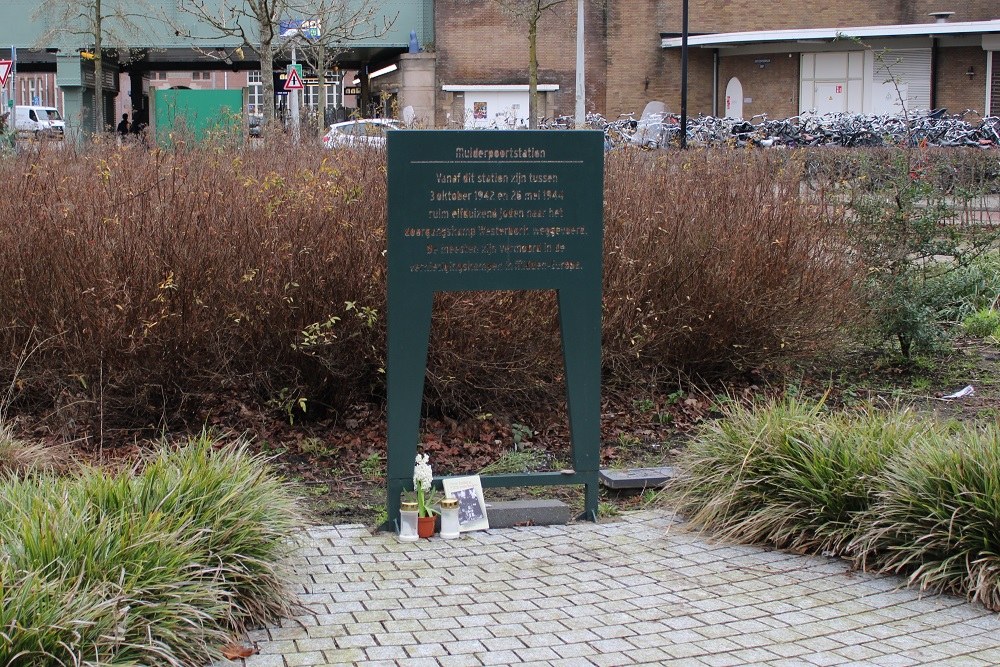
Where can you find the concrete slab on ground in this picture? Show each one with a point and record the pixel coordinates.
(636, 478)
(514, 513)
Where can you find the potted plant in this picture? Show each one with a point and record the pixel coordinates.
(423, 479)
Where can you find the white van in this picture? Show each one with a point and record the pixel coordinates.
(40, 122)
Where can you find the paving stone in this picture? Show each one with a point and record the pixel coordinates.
(386, 652)
(642, 590)
(536, 654)
(459, 661)
(505, 643)
(310, 659)
(265, 661)
(499, 658)
(424, 649)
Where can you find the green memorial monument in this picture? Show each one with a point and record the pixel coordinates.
(492, 210)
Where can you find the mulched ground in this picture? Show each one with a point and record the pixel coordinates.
(339, 460)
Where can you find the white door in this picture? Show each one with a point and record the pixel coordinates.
(829, 96)
(734, 98)
(832, 82)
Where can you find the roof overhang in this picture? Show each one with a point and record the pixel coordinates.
(812, 35)
(498, 88)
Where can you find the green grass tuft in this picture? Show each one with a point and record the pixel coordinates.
(894, 492)
(513, 462)
(789, 474)
(155, 567)
(982, 323)
(938, 518)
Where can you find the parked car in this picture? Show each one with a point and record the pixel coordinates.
(361, 132)
(39, 122)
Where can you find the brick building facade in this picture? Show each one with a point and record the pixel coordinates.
(478, 43)
(628, 66)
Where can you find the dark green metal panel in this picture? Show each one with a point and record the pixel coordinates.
(492, 210)
(199, 112)
(163, 24)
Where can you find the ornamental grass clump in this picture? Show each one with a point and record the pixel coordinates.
(234, 510)
(18, 457)
(789, 474)
(158, 567)
(938, 516)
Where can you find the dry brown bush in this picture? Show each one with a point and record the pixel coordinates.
(715, 262)
(153, 275)
(158, 273)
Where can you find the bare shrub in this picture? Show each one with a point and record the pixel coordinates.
(156, 274)
(714, 263)
(169, 271)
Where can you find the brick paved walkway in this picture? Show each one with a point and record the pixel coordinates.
(638, 591)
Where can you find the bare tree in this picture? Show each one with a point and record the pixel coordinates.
(91, 25)
(530, 12)
(328, 27)
(256, 23)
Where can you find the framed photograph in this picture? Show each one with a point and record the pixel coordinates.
(468, 491)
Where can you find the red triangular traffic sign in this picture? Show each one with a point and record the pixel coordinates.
(294, 81)
(5, 67)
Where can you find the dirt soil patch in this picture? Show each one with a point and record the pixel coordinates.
(339, 460)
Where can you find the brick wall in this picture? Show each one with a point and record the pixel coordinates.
(744, 15)
(916, 11)
(773, 89)
(639, 70)
(626, 68)
(955, 91)
(477, 42)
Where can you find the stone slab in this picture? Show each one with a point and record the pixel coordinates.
(541, 512)
(636, 478)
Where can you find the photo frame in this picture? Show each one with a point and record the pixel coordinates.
(468, 491)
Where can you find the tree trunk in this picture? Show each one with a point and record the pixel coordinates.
(533, 71)
(267, 79)
(321, 89)
(98, 69)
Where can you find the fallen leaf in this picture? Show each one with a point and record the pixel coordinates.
(237, 650)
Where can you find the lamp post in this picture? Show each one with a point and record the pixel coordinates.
(684, 74)
(581, 114)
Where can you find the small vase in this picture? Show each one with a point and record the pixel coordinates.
(425, 526)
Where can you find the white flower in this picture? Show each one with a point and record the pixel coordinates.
(422, 474)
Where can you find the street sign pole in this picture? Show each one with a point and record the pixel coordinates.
(294, 102)
(5, 67)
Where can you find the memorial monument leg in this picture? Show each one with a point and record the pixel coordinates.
(409, 322)
(580, 324)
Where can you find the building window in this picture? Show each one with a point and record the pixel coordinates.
(255, 93)
(34, 92)
(310, 94)
(203, 76)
